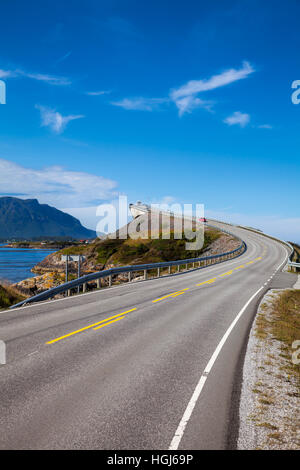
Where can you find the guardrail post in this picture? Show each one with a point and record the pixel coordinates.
(129, 276)
(169, 269)
(83, 287)
(193, 264)
(99, 283)
(69, 293)
(186, 266)
(178, 268)
(145, 274)
(158, 272)
(110, 280)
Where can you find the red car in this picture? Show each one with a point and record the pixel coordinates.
(202, 219)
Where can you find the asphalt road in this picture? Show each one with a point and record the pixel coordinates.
(161, 375)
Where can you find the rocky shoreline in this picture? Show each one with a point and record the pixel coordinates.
(51, 270)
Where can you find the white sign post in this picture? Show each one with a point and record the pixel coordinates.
(72, 258)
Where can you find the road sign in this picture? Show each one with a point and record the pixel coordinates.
(75, 258)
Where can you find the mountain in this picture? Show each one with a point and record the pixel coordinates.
(27, 219)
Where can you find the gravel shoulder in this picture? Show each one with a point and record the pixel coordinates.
(269, 404)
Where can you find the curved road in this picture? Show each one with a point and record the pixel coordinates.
(80, 374)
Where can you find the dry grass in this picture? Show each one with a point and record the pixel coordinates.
(9, 296)
(284, 326)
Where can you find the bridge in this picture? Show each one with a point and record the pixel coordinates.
(154, 364)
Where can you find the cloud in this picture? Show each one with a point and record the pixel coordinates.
(265, 126)
(55, 185)
(54, 120)
(50, 79)
(97, 93)
(229, 76)
(139, 104)
(186, 97)
(188, 92)
(63, 58)
(188, 103)
(6, 73)
(237, 118)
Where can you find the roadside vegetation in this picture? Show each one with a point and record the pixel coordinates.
(283, 326)
(271, 387)
(9, 296)
(140, 251)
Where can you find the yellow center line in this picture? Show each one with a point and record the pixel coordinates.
(257, 259)
(108, 323)
(226, 274)
(210, 281)
(90, 326)
(250, 262)
(176, 295)
(170, 295)
(239, 267)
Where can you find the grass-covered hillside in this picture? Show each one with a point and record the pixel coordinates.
(118, 252)
(9, 296)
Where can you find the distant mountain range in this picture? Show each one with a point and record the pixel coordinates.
(27, 219)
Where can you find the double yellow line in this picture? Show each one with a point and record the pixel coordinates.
(174, 294)
(121, 316)
(103, 323)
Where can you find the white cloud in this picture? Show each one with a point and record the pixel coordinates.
(265, 126)
(97, 93)
(54, 120)
(237, 118)
(188, 103)
(5, 73)
(188, 92)
(229, 76)
(185, 97)
(139, 104)
(50, 79)
(54, 185)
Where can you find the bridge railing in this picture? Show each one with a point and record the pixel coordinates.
(109, 273)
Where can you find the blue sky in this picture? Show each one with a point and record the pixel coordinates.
(189, 101)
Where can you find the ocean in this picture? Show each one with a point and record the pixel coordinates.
(16, 263)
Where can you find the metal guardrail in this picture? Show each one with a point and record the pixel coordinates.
(108, 273)
(290, 262)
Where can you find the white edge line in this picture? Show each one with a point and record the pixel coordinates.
(191, 405)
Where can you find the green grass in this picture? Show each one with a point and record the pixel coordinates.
(140, 251)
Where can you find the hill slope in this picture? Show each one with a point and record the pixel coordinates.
(9, 296)
(27, 219)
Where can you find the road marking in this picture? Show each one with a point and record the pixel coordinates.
(226, 274)
(250, 262)
(108, 323)
(192, 403)
(87, 327)
(173, 294)
(199, 387)
(239, 267)
(176, 295)
(210, 281)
